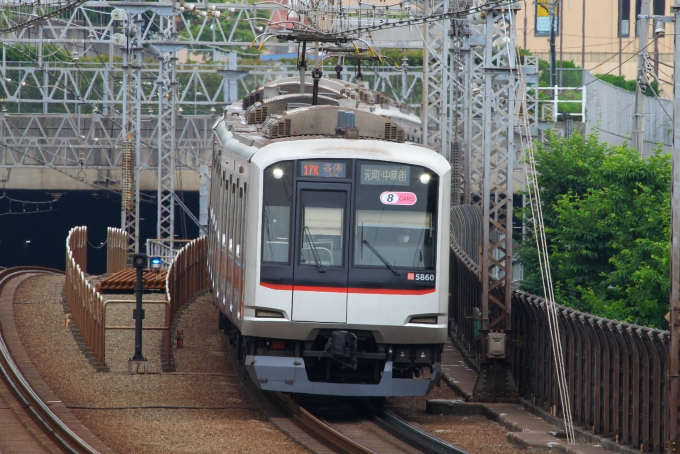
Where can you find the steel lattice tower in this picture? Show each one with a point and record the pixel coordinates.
(132, 114)
(435, 111)
(167, 113)
(484, 71)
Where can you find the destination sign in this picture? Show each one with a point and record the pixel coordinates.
(393, 175)
(323, 169)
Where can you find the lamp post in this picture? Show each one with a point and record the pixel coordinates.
(139, 262)
(553, 31)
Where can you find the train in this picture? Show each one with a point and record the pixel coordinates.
(328, 240)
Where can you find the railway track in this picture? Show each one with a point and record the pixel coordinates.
(350, 427)
(16, 385)
(357, 426)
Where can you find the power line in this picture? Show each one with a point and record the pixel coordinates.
(610, 71)
(58, 11)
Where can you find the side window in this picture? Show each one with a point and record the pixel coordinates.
(276, 213)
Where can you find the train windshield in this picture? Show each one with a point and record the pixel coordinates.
(396, 207)
(393, 207)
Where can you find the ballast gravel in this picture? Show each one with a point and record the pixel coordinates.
(475, 434)
(200, 408)
(209, 413)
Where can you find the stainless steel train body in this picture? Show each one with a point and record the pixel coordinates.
(328, 248)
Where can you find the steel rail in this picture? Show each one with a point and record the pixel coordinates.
(32, 403)
(414, 436)
(308, 422)
(386, 420)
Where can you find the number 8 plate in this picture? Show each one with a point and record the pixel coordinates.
(398, 198)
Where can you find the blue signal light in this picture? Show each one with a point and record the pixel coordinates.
(156, 262)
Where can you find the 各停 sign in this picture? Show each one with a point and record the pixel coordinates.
(323, 169)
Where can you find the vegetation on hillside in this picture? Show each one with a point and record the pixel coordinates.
(607, 217)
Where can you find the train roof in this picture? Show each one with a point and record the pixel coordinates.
(278, 111)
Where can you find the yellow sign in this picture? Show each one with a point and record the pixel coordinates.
(543, 17)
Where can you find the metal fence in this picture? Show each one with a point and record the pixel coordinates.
(116, 249)
(615, 371)
(611, 110)
(167, 250)
(466, 233)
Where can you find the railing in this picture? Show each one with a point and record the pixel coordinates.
(85, 304)
(187, 274)
(616, 372)
(550, 108)
(116, 249)
(167, 250)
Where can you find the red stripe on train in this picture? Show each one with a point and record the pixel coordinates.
(372, 291)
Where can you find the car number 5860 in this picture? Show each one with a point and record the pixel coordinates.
(424, 277)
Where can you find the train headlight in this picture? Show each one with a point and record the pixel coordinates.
(278, 173)
(260, 313)
(425, 178)
(429, 320)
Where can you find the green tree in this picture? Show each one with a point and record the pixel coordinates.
(630, 85)
(607, 215)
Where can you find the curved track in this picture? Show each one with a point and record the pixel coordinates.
(347, 426)
(15, 382)
(374, 430)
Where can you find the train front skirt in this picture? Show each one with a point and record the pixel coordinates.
(286, 374)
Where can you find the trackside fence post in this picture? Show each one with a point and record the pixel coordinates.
(116, 249)
(187, 275)
(84, 302)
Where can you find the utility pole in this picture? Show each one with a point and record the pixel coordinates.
(553, 31)
(637, 139)
(673, 374)
(139, 262)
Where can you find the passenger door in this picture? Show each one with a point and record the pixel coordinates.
(321, 252)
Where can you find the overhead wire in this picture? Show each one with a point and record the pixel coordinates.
(23, 203)
(543, 253)
(69, 6)
(610, 71)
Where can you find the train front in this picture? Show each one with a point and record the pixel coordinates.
(351, 295)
